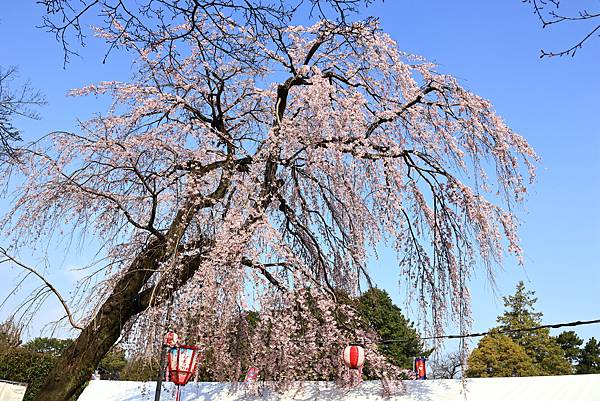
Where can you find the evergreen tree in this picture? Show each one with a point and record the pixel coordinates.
(497, 355)
(570, 343)
(140, 370)
(589, 361)
(46, 345)
(544, 350)
(379, 312)
(112, 364)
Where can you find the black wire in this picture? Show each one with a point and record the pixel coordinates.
(545, 326)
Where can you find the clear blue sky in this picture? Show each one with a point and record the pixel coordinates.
(493, 47)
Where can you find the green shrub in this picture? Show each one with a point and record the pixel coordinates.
(22, 365)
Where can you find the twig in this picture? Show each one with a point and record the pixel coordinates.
(46, 283)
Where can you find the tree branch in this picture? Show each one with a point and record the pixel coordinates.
(46, 283)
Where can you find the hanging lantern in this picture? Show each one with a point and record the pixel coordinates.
(252, 375)
(354, 359)
(182, 362)
(420, 369)
(354, 356)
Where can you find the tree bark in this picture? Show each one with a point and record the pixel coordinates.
(127, 299)
(79, 361)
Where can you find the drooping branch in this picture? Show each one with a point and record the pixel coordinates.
(53, 289)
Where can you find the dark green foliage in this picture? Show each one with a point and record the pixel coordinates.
(379, 312)
(50, 346)
(589, 361)
(140, 370)
(112, 364)
(571, 345)
(544, 350)
(32, 362)
(21, 365)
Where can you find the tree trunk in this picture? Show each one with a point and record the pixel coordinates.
(79, 361)
(127, 299)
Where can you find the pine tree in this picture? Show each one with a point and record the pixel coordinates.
(544, 350)
(379, 312)
(590, 358)
(570, 343)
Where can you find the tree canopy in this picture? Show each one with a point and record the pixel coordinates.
(570, 343)
(50, 346)
(497, 355)
(251, 160)
(543, 349)
(398, 340)
(532, 352)
(589, 361)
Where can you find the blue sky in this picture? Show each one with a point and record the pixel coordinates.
(493, 48)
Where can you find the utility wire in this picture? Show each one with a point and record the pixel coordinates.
(499, 331)
(468, 335)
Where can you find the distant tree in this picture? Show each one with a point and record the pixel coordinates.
(112, 364)
(589, 361)
(401, 342)
(10, 334)
(19, 101)
(497, 355)
(22, 365)
(544, 351)
(110, 367)
(51, 346)
(570, 343)
(140, 370)
(447, 367)
(32, 362)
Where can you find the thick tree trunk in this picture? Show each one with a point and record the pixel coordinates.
(79, 361)
(127, 299)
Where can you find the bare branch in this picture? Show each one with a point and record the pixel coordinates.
(549, 14)
(50, 287)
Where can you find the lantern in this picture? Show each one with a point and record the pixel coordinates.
(252, 375)
(354, 359)
(171, 339)
(420, 368)
(182, 362)
(354, 356)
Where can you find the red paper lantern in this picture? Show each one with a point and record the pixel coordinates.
(252, 375)
(354, 356)
(182, 362)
